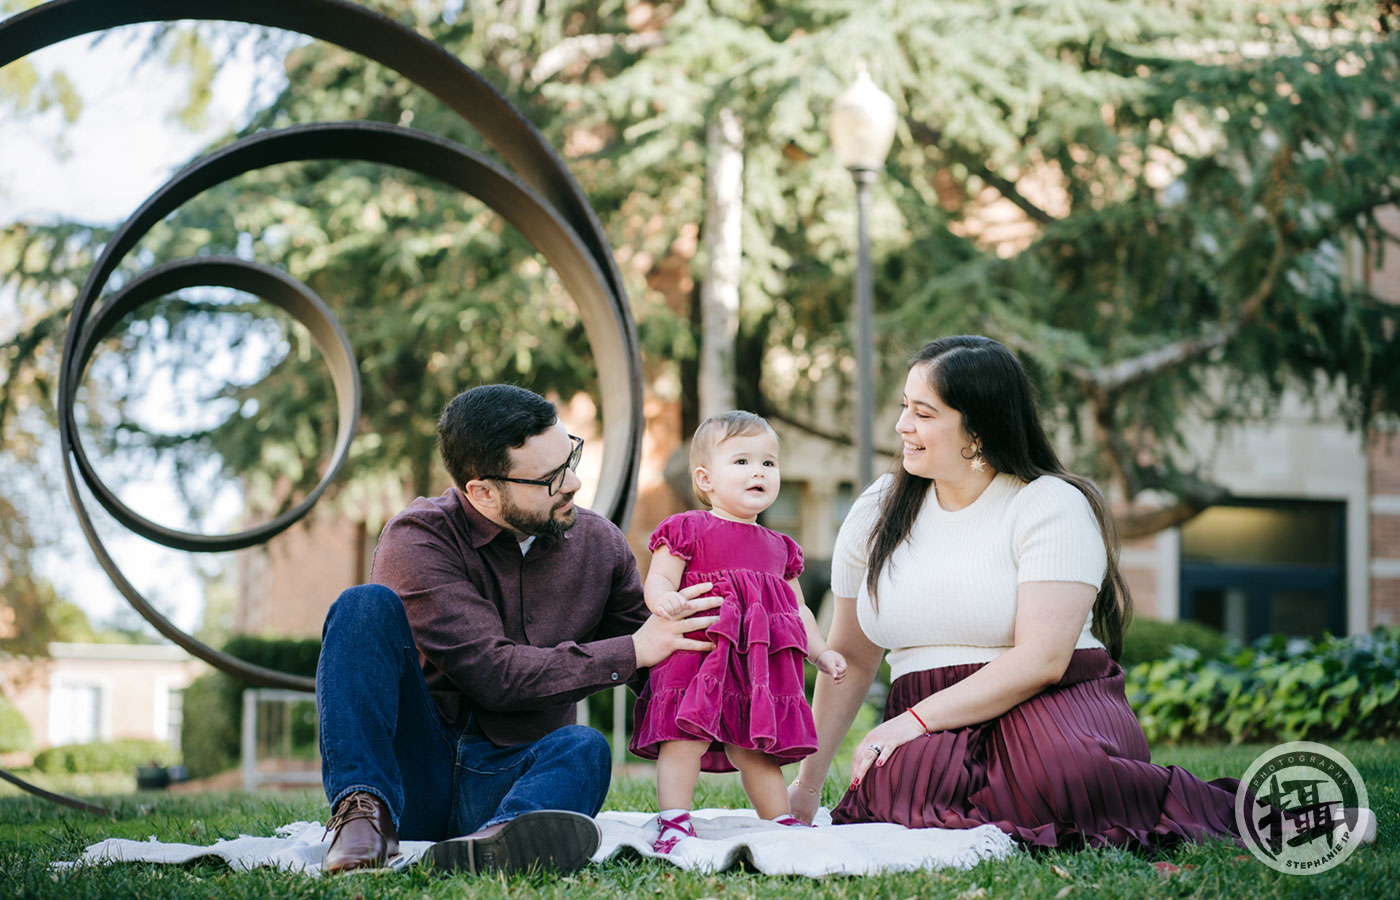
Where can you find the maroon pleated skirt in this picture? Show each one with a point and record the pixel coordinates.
(1067, 768)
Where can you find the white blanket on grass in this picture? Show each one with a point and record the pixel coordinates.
(724, 838)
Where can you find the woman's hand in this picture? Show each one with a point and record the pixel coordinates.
(877, 745)
(803, 800)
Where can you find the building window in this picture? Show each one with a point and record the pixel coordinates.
(169, 712)
(77, 711)
(842, 502)
(785, 514)
(1266, 567)
(176, 723)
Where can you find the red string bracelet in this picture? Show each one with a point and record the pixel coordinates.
(919, 720)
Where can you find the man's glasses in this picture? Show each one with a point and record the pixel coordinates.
(555, 481)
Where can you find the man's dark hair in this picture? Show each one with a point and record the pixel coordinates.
(479, 427)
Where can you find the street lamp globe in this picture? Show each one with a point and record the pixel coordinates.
(862, 124)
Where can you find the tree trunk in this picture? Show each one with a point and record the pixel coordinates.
(720, 240)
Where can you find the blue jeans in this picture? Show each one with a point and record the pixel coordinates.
(381, 732)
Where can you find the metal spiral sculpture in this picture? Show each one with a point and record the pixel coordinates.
(535, 194)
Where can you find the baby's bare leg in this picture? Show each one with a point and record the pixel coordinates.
(677, 768)
(763, 781)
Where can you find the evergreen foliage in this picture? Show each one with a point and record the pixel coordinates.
(1156, 203)
(213, 704)
(209, 732)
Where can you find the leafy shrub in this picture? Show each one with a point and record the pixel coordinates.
(1150, 639)
(209, 733)
(213, 706)
(104, 756)
(1278, 689)
(14, 730)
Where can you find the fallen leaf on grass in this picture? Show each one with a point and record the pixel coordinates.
(1063, 892)
(1060, 871)
(1166, 869)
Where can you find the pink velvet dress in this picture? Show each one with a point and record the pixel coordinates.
(749, 691)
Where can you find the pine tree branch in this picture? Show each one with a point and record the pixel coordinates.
(1193, 494)
(769, 410)
(22, 350)
(1141, 523)
(1120, 459)
(588, 48)
(1115, 377)
(929, 136)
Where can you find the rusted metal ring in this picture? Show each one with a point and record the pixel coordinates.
(267, 283)
(423, 153)
(555, 217)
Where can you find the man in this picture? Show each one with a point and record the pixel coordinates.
(446, 690)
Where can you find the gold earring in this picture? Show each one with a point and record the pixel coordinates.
(978, 463)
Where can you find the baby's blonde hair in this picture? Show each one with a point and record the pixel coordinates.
(715, 431)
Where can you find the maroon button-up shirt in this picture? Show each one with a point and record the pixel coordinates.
(516, 640)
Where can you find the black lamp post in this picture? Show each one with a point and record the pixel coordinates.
(862, 130)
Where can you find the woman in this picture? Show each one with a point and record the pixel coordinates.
(990, 575)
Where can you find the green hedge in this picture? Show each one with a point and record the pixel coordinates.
(209, 733)
(294, 656)
(104, 756)
(1278, 689)
(1149, 639)
(14, 730)
(213, 706)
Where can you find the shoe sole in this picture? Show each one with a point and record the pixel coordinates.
(542, 840)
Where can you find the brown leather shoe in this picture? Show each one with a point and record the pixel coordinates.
(544, 839)
(364, 834)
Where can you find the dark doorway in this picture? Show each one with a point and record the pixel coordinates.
(1252, 568)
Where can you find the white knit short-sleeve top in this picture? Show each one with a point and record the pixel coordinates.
(948, 593)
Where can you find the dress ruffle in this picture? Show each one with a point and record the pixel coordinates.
(748, 692)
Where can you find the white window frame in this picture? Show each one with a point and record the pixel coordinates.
(160, 704)
(60, 681)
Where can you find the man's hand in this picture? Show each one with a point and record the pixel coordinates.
(658, 638)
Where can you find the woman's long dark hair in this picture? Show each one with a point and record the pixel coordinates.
(984, 381)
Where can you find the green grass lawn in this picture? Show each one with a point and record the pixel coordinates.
(34, 834)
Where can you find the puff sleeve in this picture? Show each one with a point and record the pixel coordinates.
(794, 565)
(677, 534)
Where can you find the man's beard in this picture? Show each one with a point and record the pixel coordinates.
(540, 525)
